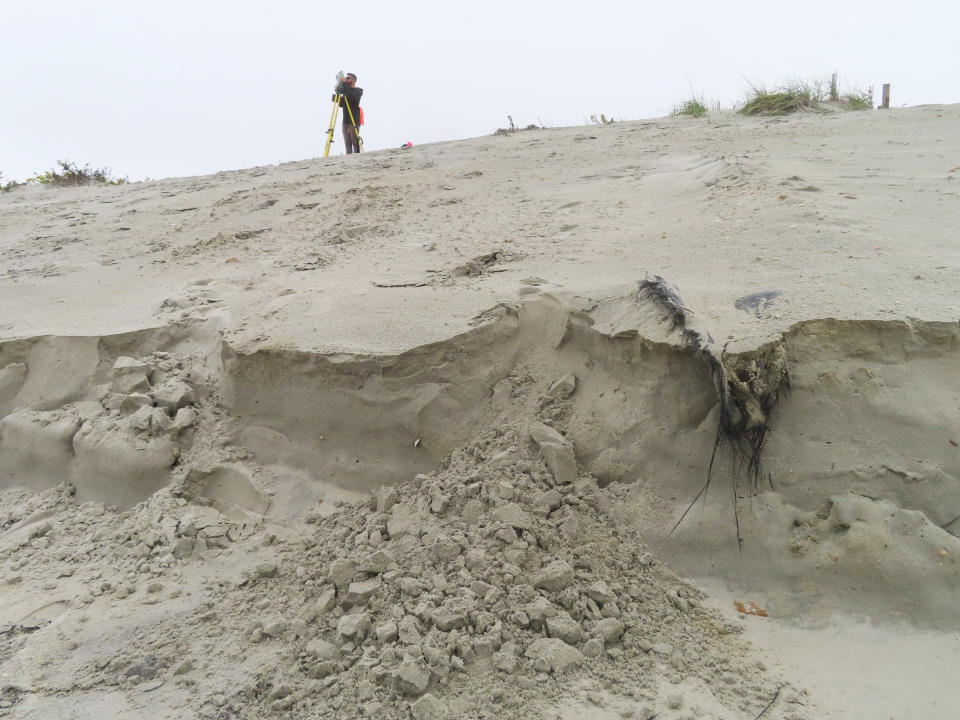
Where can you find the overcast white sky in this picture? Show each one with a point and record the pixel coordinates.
(184, 88)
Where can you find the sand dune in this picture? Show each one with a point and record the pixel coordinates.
(203, 380)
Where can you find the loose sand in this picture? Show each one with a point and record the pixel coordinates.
(209, 385)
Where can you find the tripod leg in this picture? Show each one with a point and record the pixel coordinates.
(333, 123)
(356, 129)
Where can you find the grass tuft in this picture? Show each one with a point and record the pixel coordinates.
(601, 120)
(68, 174)
(804, 96)
(694, 107)
(858, 100)
(8, 186)
(784, 100)
(513, 128)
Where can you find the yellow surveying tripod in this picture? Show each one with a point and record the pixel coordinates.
(333, 121)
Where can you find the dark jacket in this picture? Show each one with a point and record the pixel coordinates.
(352, 96)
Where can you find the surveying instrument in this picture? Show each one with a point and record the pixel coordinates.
(337, 97)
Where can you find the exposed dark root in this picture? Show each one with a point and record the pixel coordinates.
(668, 299)
(748, 387)
(952, 531)
(769, 704)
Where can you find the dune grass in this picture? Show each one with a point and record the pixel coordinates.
(783, 100)
(514, 128)
(858, 100)
(602, 119)
(693, 107)
(804, 95)
(69, 174)
(8, 186)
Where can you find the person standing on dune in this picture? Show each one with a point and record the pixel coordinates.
(350, 96)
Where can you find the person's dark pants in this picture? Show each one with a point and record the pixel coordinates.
(350, 139)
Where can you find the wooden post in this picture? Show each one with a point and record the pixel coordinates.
(885, 99)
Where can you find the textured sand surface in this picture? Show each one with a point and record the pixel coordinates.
(849, 215)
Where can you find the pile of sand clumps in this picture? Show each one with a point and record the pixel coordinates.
(118, 442)
(490, 581)
(498, 585)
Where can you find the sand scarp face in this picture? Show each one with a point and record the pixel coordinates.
(470, 520)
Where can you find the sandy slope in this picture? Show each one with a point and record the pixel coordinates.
(847, 214)
(302, 325)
